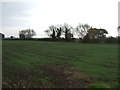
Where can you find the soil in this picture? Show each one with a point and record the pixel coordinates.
(65, 76)
(61, 76)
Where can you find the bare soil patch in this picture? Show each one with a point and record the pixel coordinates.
(60, 75)
(65, 76)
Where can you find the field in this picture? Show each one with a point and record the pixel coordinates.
(40, 64)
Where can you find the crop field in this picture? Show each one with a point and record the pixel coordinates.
(42, 64)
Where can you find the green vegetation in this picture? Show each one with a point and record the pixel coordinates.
(103, 85)
(58, 64)
(99, 85)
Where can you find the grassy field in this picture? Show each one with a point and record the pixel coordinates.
(37, 64)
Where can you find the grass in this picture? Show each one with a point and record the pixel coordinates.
(102, 85)
(22, 60)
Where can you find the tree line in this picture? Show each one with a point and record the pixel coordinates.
(65, 32)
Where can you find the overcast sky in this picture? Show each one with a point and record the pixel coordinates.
(40, 14)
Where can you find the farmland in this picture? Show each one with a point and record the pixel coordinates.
(40, 64)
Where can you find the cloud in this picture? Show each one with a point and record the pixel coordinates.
(14, 13)
(41, 14)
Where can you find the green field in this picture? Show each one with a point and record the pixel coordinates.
(40, 64)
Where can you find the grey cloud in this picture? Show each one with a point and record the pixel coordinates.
(13, 11)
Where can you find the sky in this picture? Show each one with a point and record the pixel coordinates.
(19, 15)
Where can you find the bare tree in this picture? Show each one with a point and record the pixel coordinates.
(67, 29)
(55, 31)
(28, 33)
(59, 31)
(82, 30)
(51, 32)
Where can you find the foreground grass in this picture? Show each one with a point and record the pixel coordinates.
(24, 62)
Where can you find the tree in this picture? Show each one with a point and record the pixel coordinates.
(70, 35)
(86, 39)
(102, 33)
(55, 31)
(51, 32)
(97, 33)
(82, 30)
(93, 33)
(67, 29)
(112, 40)
(59, 31)
(2, 36)
(22, 36)
(11, 37)
(26, 34)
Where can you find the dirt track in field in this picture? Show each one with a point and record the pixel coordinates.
(61, 76)
(65, 76)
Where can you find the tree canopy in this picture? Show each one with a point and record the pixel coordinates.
(82, 30)
(26, 34)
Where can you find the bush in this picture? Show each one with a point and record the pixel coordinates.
(111, 40)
